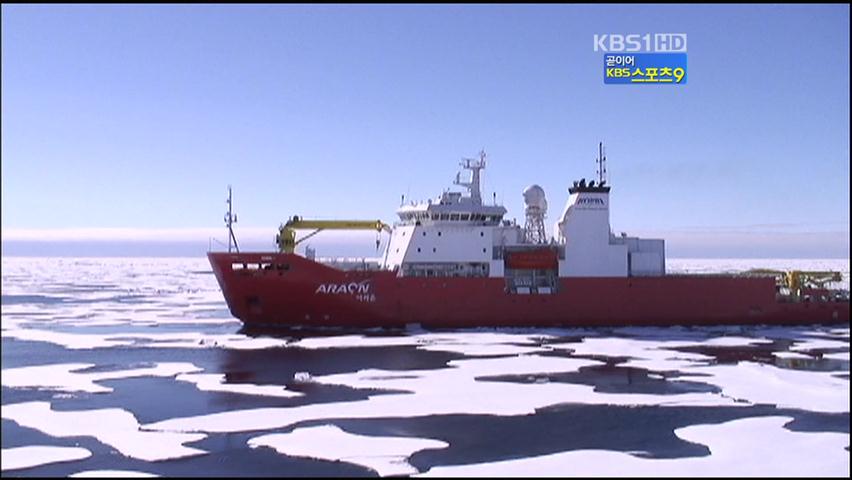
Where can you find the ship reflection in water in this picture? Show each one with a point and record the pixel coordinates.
(135, 365)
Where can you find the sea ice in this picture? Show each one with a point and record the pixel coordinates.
(112, 426)
(34, 455)
(386, 455)
(740, 448)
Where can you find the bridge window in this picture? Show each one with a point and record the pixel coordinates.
(454, 216)
(464, 217)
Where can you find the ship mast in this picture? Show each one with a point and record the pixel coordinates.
(601, 161)
(230, 219)
(474, 165)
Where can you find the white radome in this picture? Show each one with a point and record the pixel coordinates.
(534, 197)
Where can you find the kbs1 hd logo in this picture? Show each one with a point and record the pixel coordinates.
(658, 58)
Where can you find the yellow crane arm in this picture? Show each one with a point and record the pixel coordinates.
(286, 238)
(796, 279)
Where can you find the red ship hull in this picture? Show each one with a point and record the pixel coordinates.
(287, 289)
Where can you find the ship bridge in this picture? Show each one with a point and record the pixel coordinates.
(455, 207)
(430, 213)
(452, 235)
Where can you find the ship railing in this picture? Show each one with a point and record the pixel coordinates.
(351, 263)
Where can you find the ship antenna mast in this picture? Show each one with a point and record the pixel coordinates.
(230, 220)
(475, 166)
(601, 161)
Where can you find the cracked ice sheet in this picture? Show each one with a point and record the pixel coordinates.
(112, 426)
(647, 354)
(200, 340)
(36, 455)
(215, 382)
(759, 447)
(67, 377)
(785, 388)
(486, 343)
(794, 355)
(840, 332)
(482, 350)
(461, 342)
(386, 455)
(836, 356)
(447, 391)
(813, 344)
(74, 341)
(798, 332)
(82, 341)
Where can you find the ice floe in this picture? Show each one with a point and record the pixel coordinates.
(111, 474)
(84, 341)
(215, 382)
(836, 356)
(386, 455)
(35, 455)
(468, 343)
(818, 344)
(112, 426)
(761, 383)
(793, 355)
(747, 447)
(67, 377)
(72, 341)
(652, 355)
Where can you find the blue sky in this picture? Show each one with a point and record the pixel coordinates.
(138, 117)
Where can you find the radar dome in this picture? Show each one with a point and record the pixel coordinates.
(534, 197)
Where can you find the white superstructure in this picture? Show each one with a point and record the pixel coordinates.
(458, 235)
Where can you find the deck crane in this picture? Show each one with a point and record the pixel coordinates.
(286, 238)
(800, 281)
